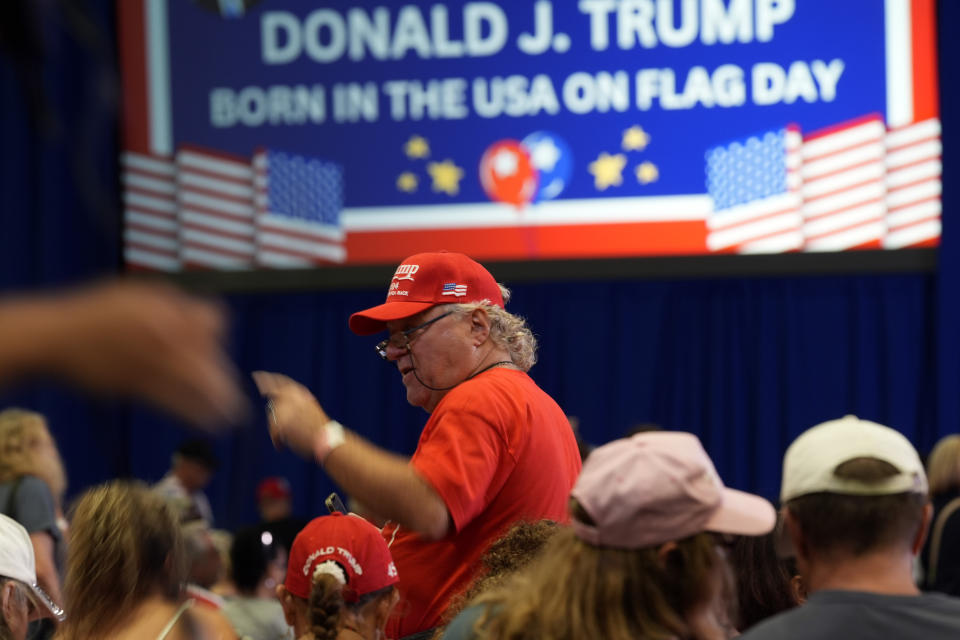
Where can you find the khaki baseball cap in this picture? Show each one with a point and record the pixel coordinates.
(811, 461)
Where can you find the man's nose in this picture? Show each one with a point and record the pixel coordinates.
(394, 352)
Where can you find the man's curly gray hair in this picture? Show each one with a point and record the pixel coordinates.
(507, 330)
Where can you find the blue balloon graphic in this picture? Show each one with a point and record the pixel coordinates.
(551, 157)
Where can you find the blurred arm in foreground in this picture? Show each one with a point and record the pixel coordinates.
(130, 339)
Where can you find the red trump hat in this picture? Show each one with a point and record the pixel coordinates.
(346, 547)
(425, 280)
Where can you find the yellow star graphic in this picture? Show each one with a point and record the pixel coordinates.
(446, 176)
(635, 139)
(607, 170)
(417, 147)
(647, 172)
(407, 182)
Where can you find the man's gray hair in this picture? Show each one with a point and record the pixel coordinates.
(507, 330)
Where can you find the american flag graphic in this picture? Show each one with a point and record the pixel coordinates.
(844, 186)
(755, 187)
(856, 184)
(913, 185)
(215, 209)
(454, 289)
(150, 234)
(298, 202)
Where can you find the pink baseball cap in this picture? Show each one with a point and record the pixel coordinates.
(345, 546)
(661, 486)
(425, 280)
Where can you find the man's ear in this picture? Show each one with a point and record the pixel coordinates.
(798, 589)
(6, 593)
(923, 530)
(479, 326)
(8, 599)
(795, 536)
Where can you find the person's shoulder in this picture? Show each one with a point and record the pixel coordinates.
(510, 385)
(31, 484)
(169, 485)
(942, 601)
(462, 627)
(784, 625)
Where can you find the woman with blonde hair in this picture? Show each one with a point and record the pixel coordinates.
(641, 559)
(340, 581)
(32, 485)
(940, 556)
(126, 570)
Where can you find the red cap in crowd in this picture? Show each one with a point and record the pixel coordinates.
(346, 547)
(274, 487)
(425, 280)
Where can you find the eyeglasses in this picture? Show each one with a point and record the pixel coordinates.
(402, 340)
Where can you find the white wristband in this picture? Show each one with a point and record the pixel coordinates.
(334, 435)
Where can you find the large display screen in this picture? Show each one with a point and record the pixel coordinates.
(264, 134)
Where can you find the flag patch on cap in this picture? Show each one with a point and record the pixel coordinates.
(454, 289)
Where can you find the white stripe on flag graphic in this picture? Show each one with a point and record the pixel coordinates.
(215, 209)
(844, 187)
(914, 185)
(150, 236)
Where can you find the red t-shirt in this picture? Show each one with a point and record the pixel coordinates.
(496, 449)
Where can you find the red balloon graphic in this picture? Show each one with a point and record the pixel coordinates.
(507, 173)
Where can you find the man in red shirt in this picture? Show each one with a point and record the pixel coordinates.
(496, 449)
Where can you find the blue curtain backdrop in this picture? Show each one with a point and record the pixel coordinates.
(746, 363)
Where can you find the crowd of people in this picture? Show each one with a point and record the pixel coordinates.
(495, 528)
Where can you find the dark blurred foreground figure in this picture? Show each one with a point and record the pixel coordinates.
(129, 339)
(856, 513)
(941, 553)
(341, 581)
(641, 559)
(258, 564)
(766, 584)
(21, 598)
(126, 571)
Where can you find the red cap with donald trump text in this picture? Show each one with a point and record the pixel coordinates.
(346, 547)
(425, 280)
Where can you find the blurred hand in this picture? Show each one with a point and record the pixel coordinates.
(294, 416)
(148, 341)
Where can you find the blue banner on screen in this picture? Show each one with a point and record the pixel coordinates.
(291, 134)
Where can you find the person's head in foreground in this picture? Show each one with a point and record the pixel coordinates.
(447, 323)
(21, 600)
(126, 568)
(340, 580)
(641, 559)
(856, 506)
(517, 548)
